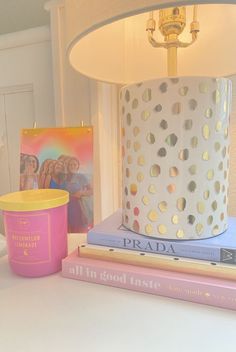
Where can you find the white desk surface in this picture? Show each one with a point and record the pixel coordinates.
(62, 315)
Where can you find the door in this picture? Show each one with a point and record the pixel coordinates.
(16, 112)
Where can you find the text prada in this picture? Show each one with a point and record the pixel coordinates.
(148, 246)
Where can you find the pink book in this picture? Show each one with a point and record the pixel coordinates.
(193, 288)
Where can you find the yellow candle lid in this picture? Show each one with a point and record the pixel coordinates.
(35, 199)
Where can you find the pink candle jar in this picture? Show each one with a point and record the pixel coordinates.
(35, 224)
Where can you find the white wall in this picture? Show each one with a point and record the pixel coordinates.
(26, 96)
(78, 99)
(71, 90)
(25, 58)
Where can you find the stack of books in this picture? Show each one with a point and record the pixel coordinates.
(201, 271)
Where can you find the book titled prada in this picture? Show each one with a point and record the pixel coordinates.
(193, 288)
(111, 233)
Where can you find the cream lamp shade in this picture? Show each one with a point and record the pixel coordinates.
(107, 40)
(175, 143)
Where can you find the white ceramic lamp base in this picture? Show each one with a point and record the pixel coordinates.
(176, 157)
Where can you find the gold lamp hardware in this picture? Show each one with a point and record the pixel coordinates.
(172, 22)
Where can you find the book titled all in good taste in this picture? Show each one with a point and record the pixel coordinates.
(111, 233)
(188, 287)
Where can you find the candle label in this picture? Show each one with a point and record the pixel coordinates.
(28, 237)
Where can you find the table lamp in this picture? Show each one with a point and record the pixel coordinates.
(174, 104)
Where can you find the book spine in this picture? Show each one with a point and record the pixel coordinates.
(154, 246)
(157, 261)
(202, 292)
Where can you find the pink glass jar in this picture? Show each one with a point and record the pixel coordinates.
(35, 224)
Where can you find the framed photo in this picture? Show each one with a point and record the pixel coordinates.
(61, 158)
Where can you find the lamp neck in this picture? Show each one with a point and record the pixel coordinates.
(172, 22)
(172, 61)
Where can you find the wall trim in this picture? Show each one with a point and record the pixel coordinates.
(22, 88)
(56, 9)
(54, 3)
(24, 38)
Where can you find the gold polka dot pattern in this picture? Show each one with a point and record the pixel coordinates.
(162, 229)
(152, 215)
(175, 150)
(162, 206)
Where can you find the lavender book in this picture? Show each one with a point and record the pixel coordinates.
(111, 233)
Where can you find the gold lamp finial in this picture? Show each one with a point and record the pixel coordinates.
(172, 22)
